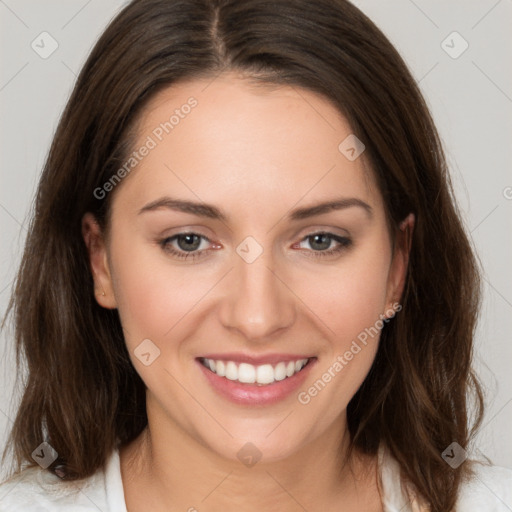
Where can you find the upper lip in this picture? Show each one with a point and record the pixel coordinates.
(256, 360)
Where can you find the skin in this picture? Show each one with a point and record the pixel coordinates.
(256, 153)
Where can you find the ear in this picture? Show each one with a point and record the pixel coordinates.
(96, 248)
(398, 271)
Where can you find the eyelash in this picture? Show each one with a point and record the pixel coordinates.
(165, 244)
(344, 243)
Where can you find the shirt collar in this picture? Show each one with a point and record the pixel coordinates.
(396, 494)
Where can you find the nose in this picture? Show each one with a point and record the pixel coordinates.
(258, 303)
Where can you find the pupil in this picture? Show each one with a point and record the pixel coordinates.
(323, 245)
(189, 239)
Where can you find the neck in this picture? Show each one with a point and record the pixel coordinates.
(167, 469)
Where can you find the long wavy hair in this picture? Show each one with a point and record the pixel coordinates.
(80, 390)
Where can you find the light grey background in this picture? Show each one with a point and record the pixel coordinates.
(470, 97)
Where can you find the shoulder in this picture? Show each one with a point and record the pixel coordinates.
(37, 490)
(489, 489)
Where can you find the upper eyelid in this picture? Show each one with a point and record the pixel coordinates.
(183, 233)
(308, 231)
(337, 239)
(302, 238)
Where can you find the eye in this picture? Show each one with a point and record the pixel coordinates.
(189, 245)
(184, 245)
(322, 244)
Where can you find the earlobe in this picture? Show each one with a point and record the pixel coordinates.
(399, 265)
(98, 261)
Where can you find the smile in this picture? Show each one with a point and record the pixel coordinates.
(246, 373)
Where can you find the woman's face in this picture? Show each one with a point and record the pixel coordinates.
(219, 254)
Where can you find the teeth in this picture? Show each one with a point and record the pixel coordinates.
(231, 371)
(247, 373)
(219, 368)
(250, 374)
(265, 374)
(280, 371)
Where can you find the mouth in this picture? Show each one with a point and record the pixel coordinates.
(261, 375)
(255, 381)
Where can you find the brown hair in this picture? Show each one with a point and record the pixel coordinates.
(83, 395)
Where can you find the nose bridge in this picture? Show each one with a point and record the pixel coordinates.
(257, 302)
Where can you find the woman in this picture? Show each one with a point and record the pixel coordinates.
(246, 283)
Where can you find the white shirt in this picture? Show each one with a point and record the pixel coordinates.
(38, 490)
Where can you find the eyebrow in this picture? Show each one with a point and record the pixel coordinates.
(338, 204)
(212, 212)
(199, 209)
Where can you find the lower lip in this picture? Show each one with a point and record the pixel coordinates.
(251, 394)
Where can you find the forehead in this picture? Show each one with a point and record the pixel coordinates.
(227, 136)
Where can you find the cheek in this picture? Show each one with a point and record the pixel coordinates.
(350, 297)
(152, 295)
(355, 298)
